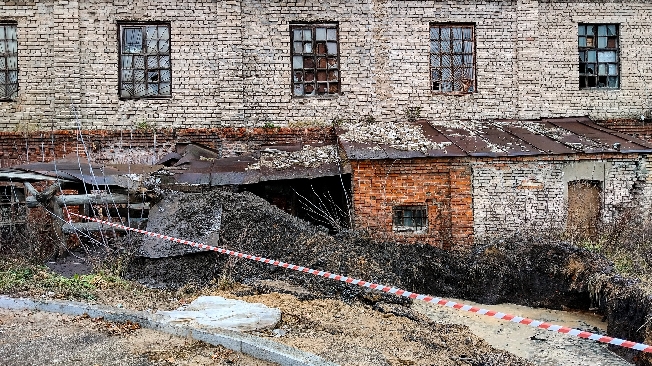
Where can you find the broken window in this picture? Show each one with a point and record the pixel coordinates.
(410, 219)
(8, 61)
(584, 203)
(145, 70)
(315, 59)
(599, 56)
(452, 58)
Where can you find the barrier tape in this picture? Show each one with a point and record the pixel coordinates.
(398, 292)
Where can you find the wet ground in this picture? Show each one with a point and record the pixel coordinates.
(542, 347)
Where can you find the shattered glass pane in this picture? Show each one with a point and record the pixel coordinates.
(127, 75)
(613, 81)
(133, 40)
(590, 30)
(12, 46)
(298, 76)
(152, 76)
(298, 89)
(307, 47)
(309, 89)
(12, 62)
(611, 30)
(164, 46)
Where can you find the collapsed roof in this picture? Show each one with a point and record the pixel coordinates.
(483, 139)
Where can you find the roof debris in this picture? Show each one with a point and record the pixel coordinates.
(404, 136)
(307, 157)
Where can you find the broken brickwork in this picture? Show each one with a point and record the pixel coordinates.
(442, 186)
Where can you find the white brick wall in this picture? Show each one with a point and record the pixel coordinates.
(231, 62)
(510, 196)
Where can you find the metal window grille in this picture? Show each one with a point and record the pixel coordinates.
(599, 56)
(412, 218)
(452, 58)
(145, 67)
(8, 61)
(315, 59)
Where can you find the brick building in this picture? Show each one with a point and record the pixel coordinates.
(139, 78)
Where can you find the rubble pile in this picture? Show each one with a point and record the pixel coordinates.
(508, 271)
(398, 135)
(307, 157)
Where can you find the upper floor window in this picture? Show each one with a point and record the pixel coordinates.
(599, 56)
(452, 58)
(145, 70)
(8, 61)
(315, 59)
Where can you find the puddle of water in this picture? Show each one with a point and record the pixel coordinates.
(542, 347)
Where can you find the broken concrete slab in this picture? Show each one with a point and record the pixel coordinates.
(211, 312)
(184, 216)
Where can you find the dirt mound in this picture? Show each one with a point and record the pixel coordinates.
(526, 272)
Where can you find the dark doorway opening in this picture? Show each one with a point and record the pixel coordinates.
(324, 201)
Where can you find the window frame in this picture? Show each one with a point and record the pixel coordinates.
(338, 68)
(584, 50)
(6, 70)
(415, 229)
(143, 24)
(432, 68)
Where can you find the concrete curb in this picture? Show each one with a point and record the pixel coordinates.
(257, 347)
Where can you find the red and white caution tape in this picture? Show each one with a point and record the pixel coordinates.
(398, 292)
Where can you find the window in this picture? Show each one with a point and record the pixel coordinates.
(315, 59)
(452, 61)
(410, 219)
(8, 61)
(599, 59)
(145, 70)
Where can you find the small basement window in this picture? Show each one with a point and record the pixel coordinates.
(410, 219)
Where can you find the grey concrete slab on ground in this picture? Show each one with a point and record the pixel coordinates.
(241, 342)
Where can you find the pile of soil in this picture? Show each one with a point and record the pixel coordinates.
(525, 272)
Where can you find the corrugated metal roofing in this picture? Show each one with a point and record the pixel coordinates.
(505, 138)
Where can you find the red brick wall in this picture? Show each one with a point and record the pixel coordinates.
(444, 187)
(638, 128)
(19, 148)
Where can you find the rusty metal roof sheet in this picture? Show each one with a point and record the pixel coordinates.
(553, 136)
